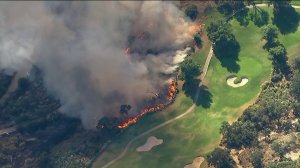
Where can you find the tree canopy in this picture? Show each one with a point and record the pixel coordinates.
(189, 70)
(220, 158)
(220, 33)
(192, 12)
(256, 159)
(239, 134)
(285, 16)
(197, 40)
(269, 33)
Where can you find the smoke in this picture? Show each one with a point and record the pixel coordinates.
(80, 47)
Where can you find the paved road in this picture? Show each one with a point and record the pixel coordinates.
(188, 111)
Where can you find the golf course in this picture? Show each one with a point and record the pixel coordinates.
(198, 133)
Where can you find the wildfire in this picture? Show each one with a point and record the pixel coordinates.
(195, 28)
(172, 90)
(141, 35)
(147, 110)
(171, 95)
(127, 52)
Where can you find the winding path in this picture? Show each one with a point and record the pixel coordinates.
(188, 111)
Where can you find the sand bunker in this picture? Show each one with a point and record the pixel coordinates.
(151, 142)
(196, 163)
(230, 81)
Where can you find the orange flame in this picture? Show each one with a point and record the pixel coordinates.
(127, 52)
(171, 96)
(195, 28)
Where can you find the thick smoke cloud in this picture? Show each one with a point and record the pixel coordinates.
(80, 47)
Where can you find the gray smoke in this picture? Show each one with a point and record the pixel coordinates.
(80, 46)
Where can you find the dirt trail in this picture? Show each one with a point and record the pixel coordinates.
(188, 111)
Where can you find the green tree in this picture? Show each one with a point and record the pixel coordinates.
(269, 33)
(220, 158)
(278, 53)
(256, 159)
(259, 17)
(192, 12)
(189, 70)
(198, 40)
(295, 85)
(285, 16)
(284, 164)
(239, 134)
(224, 42)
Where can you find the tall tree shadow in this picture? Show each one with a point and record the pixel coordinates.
(286, 18)
(200, 95)
(227, 53)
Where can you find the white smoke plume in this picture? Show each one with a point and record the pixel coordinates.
(80, 47)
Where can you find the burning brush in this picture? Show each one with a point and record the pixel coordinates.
(172, 90)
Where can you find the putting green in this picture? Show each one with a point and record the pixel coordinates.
(197, 133)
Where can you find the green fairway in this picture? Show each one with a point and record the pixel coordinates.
(198, 133)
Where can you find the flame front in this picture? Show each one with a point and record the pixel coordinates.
(171, 96)
(195, 29)
(127, 52)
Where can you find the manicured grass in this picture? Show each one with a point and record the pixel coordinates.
(291, 42)
(198, 133)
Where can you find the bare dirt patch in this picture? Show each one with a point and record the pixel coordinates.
(151, 142)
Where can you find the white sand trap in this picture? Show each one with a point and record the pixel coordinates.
(230, 81)
(151, 142)
(196, 163)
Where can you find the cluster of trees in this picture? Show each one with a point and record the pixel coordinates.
(239, 134)
(285, 16)
(224, 42)
(220, 158)
(192, 12)
(276, 51)
(190, 70)
(35, 114)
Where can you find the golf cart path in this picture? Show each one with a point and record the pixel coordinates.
(262, 5)
(188, 111)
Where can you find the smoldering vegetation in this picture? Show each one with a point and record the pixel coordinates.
(80, 48)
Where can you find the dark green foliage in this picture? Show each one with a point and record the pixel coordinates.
(237, 80)
(295, 85)
(225, 46)
(273, 103)
(23, 85)
(279, 57)
(269, 33)
(239, 134)
(279, 149)
(256, 159)
(283, 164)
(297, 109)
(192, 12)
(296, 64)
(229, 7)
(285, 17)
(198, 40)
(260, 17)
(220, 158)
(189, 70)
(5, 81)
